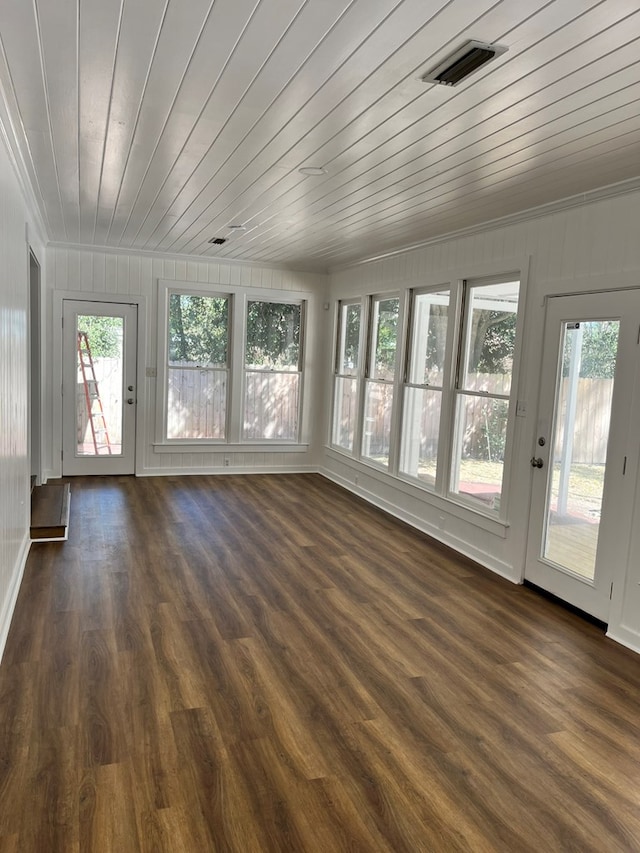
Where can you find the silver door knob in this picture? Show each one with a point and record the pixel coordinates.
(536, 462)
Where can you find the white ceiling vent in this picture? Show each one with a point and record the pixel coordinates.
(462, 62)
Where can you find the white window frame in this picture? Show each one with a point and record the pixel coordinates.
(446, 412)
(250, 297)
(393, 383)
(166, 367)
(358, 376)
(239, 298)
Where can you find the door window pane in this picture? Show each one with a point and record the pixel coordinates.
(99, 388)
(579, 452)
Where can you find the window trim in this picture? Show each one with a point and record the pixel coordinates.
(239, 297)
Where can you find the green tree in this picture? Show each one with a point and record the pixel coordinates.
(198, 329)
(103, 333)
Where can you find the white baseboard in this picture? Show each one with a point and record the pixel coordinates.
(622, 635)
(186, 472)
(12, 594)
(497, 566)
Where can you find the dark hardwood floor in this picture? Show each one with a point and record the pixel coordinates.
(269, 664)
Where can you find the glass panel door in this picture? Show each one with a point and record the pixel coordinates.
(99, 387)
(584, 393)
(581, 498)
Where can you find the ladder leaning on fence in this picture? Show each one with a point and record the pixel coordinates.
(95, 411)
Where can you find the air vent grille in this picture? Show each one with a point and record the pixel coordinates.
(218, 241)
(460, 64)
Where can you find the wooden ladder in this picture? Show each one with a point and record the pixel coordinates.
(95, 411)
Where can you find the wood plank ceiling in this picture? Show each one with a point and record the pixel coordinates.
(157, 124)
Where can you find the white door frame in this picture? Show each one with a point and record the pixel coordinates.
(59, 297)
(616, 532)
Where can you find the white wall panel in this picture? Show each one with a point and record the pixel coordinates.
(587, 248)
(14, 389)
(117, 276)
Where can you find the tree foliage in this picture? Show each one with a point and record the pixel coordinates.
(273, 335)
(103, 333)
(198, 330)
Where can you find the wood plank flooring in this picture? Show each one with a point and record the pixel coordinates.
(269, 664)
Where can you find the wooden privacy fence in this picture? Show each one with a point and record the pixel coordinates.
(197, 402)
(483, 419)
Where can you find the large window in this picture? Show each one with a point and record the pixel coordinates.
(273, 371)
(231, 362)
(452, 433)
(197, 366)
(424, 383)
(347, 370)
(380, 379)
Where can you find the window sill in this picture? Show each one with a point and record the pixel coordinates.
(222, 447)
(459, 509)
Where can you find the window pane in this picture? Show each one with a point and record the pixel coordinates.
(100, 385)
(377, 422)
(429, 338)
(384, 338)
(198, 330)
(271, 406)
(421, 426)
(273, 336)
(491, 333)
(197, 403)
(478, 468)
(344, 412)
(349, 344)
(584, 395)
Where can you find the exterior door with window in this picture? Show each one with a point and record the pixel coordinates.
(582, 490)
(99, 388)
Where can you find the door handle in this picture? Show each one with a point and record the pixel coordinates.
(536, 462)
(130, 401)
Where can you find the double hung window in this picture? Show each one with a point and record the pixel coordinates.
(427, 357)
(272, 371)
(380, 379)
(347, 372)
(231, 366)
(197, 366)
(483, 391)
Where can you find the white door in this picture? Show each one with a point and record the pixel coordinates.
(586, 450)
(99, 387)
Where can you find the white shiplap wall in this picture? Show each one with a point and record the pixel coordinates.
(590, 247)
(100, 274)
(14, 387)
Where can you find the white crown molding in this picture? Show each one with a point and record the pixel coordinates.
(590, 197)
(177, 256)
